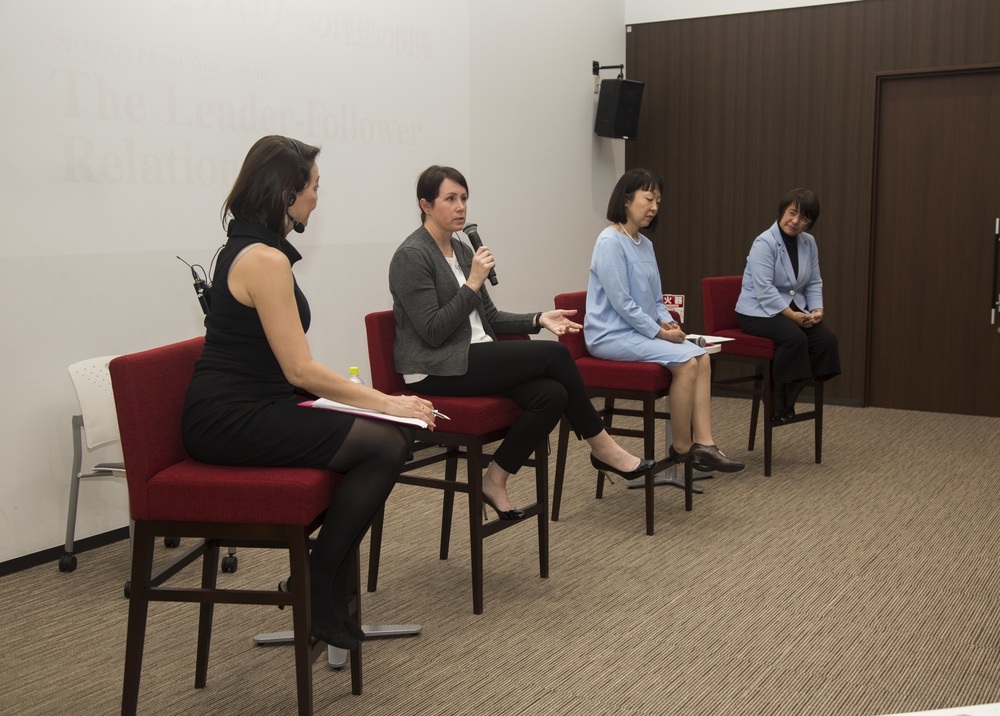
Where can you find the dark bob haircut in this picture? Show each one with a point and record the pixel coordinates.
(805, 200)
(430, 180)
(275, 168)
(632, 181)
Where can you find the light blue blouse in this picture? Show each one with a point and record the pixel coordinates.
(625, 304)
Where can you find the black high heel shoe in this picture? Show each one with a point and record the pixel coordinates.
(510, 515)
(644, 467)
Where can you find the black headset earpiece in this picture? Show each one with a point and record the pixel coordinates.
(291, 199)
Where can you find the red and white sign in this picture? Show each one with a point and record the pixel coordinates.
(675, 303)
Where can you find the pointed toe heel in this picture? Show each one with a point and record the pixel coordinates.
(644, 467)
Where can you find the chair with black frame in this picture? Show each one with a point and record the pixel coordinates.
(169, 493)
(614, 381)
(474, 423)
(719, 296)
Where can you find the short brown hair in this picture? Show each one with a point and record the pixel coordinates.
(430, 180)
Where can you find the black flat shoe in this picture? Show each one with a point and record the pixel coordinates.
(510, 515)
(644, 467)
(709, 457)
(783, 418)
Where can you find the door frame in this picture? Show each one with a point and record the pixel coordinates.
(880, 78)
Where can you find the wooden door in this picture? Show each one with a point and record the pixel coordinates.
(937, 199)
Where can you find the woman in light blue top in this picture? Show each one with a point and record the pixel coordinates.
(626, 319)
(782, 299)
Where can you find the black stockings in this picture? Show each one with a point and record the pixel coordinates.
(370, 460)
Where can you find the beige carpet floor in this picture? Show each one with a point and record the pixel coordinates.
(864, 585)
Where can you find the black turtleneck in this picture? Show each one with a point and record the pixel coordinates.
(792, 244)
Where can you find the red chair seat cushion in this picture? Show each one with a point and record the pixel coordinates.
(619, 375)
(476, 415)
(191, 491)
(745, 344)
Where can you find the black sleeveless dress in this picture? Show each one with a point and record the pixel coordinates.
(239, 408)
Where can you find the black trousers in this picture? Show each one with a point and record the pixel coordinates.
(540, 376)
(800, 353)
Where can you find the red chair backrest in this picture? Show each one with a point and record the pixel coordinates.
(719, 295)
(574, 341)
(149, 390)
(381, 329)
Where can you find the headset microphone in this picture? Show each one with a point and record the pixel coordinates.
(472, 232)
(297, 226)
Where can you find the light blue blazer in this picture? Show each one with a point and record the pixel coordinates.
(769, 282)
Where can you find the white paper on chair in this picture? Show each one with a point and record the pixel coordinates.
(326, 404)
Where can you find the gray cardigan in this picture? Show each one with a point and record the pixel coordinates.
(433, 332)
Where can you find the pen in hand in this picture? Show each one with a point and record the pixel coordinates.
(439, 414)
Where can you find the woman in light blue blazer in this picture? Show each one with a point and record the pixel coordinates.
(782, 299)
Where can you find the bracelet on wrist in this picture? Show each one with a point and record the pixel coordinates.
(536, 322)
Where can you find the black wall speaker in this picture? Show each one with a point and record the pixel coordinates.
(618, 109)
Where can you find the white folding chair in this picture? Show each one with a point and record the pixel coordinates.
(98, 421)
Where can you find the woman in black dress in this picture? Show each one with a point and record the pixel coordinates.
(241, 407)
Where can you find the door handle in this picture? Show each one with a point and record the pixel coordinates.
(994, 295)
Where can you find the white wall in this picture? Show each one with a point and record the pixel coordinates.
(124, 124)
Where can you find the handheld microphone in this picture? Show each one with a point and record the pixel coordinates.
(699, 341)
(471, 230)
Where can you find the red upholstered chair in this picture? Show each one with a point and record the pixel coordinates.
(617, 380)
(719, 295)
(171, 494)
(475, 423)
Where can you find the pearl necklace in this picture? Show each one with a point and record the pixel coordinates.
(636, 240)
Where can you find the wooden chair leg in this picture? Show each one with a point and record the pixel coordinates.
(609, 416)
(688, 486)
(448, 501)
(138, 609)
(356, 682)
(562, 448)
(209, 576)
(758, 393)
(818, 402)
(542, 497)
(768, 423)
(475, 467)
(649, 451)
(375, 548)
(298, 585)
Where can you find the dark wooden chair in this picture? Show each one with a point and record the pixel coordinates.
(719, 295)
(475, 423)
(171, 494)
(613, 381)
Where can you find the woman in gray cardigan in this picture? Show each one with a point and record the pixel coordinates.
(446, 342)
